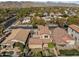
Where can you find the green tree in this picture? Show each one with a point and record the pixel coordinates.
(20, 45)
(37, 22)
(51, 45)
(73, 20)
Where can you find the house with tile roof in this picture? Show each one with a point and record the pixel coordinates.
(17, 35)
(25, 20)
(73, 30)
(47, 18)
(40, 38)
(62, 38)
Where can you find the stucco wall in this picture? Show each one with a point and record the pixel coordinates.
(75, 34)
(45, 45)
(35, 46)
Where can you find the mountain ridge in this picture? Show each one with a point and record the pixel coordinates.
(25, 4)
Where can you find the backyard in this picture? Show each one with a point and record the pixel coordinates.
(20, 45)
(7, 53)
(72, 52)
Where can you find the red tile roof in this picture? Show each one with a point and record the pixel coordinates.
(35, 41)
(46, 41)
(39, 41)
(60, 36)
(43, 30)
(74, 27)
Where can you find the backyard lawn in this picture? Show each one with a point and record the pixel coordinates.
(43, 53)
(72, 52)
(20, 45)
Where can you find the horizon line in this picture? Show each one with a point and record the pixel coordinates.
(37, 1)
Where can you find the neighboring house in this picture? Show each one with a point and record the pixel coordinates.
(52, 14)
(66, 12)
(73, 30)
(32, 14)
(45, 14)
(17, 35)
(40, 38)
(47, 18)
(38, 18)
(52, 25)
(71, 13)
(26, 20)
(60, 17)
(59, 14)
(62, 38)
(55, 16)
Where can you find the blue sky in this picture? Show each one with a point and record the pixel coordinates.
(41, 0)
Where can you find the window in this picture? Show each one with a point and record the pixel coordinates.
(46, 36)
(75, 38)
(4, 46)
(72, 35)
(72, 30)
